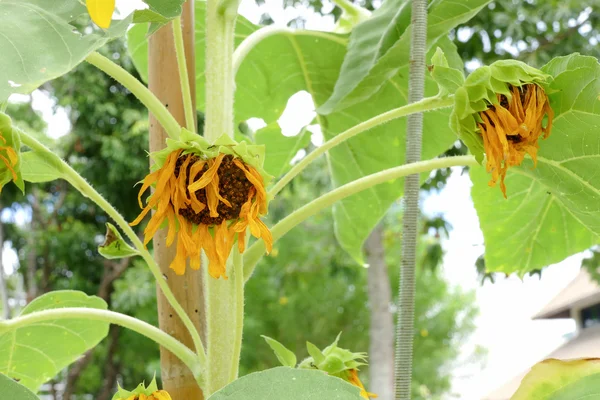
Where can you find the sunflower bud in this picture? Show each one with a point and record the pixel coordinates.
(502, 110)
(208, 194)
(142, 393)
(337, 362)
(10, 161)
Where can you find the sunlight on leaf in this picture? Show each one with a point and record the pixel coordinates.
(561, 380)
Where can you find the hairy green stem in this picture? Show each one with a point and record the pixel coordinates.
(140, 91)
(428, 104)
(253, 254)
(188, 107)
(238, 274)
(222, 323)
(220, 30)
(77, 181)
(167, 341)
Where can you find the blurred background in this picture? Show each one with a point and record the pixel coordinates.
(473, 331)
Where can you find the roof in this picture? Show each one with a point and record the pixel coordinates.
(581, 291)
(586, 344)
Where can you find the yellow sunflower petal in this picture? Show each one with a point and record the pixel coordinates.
(161, 395)
(178, 263)
(101, 11)
(208, 176)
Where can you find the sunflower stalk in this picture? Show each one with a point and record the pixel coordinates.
(224, 297)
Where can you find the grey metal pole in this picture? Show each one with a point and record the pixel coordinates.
(406, 300)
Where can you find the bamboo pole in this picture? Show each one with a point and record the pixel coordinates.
(163, 76)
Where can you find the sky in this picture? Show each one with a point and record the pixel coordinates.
(504, 326)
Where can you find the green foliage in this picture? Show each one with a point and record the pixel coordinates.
(37, 352)
(40, 45)
(379, 47)
(290, 384)
(552, 209)
(14, 391)
(561, 380)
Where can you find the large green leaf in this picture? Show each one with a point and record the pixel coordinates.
(35, 353)
(38, 43)
(12, 390)
(379, 47)
(289, 384)
(280, 150)
(292, 61)
(561, 380)
(553, 210)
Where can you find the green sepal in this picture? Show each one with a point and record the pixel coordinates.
(190, 142)
(285, 356)
(13, 140)
(123, 394)
(114, 245)
(333, 359)
(448, 79)
(479, 91)
(317, 356)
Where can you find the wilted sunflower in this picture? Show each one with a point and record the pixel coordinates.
(512, 128)
(353, 379)
(208, 195)
(500, 110)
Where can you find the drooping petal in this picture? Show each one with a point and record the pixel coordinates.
(208, 176)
